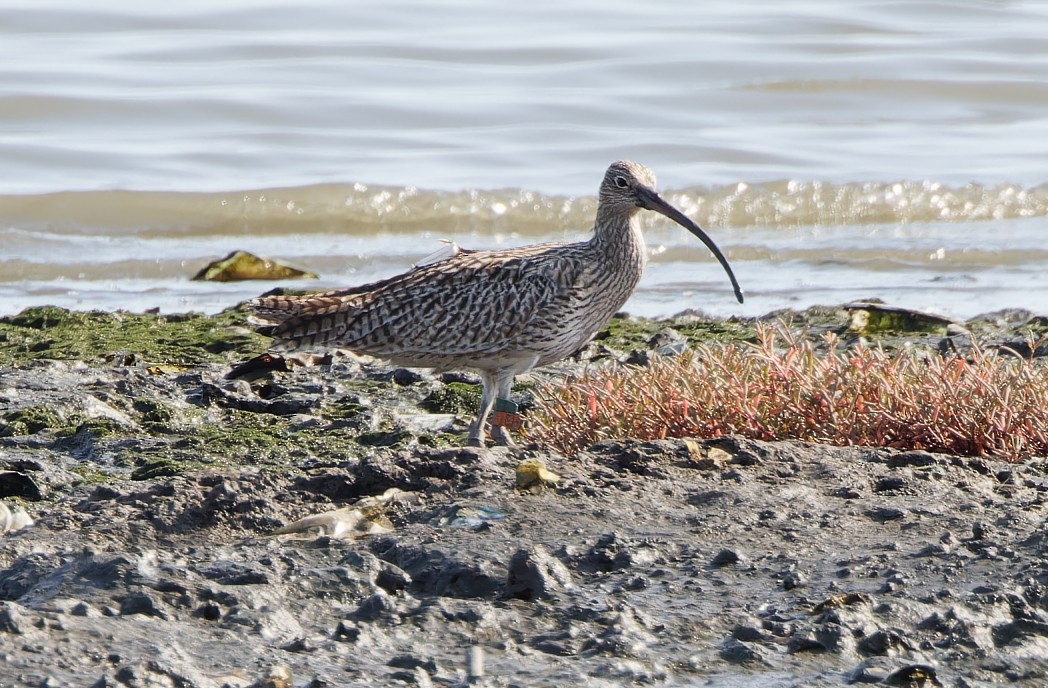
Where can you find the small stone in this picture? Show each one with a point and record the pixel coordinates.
(18, 484)
(726, 557)
(747, 633)
(347, 631)
(881, 642)
(638, 357)
(535, 574)
(804, 642)
(13, 619)
(913, 675)
(300, 645)
(883, 514)
(406, 376)
(378, 605)
(409, 661)
(533, 476)
(873, 670)
(847, 492)
(84, 609)
(735, 651)
(889, 483)
(792, 580)
(141, 603)
(279, 676)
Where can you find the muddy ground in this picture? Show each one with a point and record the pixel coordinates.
(156, 486)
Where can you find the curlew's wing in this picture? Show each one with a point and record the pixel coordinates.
(471, 303)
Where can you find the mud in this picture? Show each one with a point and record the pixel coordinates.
(156, 492)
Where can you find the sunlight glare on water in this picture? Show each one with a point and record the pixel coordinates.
(870, 149)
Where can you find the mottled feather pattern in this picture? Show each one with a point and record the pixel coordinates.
(472, 304)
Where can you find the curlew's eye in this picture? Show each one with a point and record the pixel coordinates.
(621, 182)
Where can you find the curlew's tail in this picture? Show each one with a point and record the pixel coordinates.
(272, 310)
(303, 322)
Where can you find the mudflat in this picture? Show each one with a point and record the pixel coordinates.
(157, 489)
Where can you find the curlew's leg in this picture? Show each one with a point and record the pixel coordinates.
(487, 402)
(504, 383)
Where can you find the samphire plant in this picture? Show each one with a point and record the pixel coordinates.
(982, 404)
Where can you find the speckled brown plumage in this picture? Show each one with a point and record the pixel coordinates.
(499, 312)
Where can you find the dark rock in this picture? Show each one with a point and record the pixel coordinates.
(911, 458)
(208, 611)
(392, 579)
(611, 552)
(460, 377)
(406, 376)
(107, 571)
(793, 579)
(18, 484)
(914, 675)
(535, 574)
(300, 645)
(725, 557)
(1019, 629)
(638, 357)
(13, 619)
(25, 574)
(805, 642)
(889, 483)
(881, 643)
(347, 630)
(409, 661)
(883, 514)
(235, 573)
(735, 651)
(847, 493)
(436, 572)
(141, 603)
(337, 485)
(872, 670)
(379, 605)
(748, 633)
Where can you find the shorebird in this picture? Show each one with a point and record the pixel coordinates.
(498, 312)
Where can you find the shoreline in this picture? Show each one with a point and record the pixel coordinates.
(155, 487)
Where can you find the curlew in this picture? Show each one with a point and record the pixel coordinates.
(498, 312)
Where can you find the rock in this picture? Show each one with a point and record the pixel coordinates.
(17, 484)
(278, 676)
(241, 265)
(141, 603)
(535, 574)
(13, 619)
(725, 557)
(379, 606)
(869, 318)
(883, 514)
(734, 651)
(235, 573)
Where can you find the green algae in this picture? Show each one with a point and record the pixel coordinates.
(49, 332)
(624, 332)
(454, 397)
(391, 436)
(30, 420)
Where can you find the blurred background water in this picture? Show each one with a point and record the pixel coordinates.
(835, 151)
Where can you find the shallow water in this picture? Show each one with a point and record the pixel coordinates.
(871, 149)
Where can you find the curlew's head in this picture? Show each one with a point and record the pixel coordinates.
(630, 186)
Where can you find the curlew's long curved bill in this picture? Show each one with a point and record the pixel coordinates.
(651, 200)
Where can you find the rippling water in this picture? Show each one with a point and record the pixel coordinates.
(834, 150)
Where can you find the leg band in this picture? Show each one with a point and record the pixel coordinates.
(506, 415)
